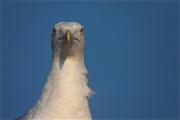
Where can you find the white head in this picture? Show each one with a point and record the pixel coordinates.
(68, 38)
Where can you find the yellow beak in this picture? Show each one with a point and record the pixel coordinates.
(69, 35)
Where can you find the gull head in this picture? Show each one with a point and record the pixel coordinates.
(68, 38)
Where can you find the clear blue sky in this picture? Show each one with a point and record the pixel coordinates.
(131, 55)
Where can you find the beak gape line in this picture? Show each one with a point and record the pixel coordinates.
(69, 37)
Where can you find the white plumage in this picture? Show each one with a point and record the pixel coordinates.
(65, 94)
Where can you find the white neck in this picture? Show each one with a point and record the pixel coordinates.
(65, 92)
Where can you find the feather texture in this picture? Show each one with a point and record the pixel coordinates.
(65, 93)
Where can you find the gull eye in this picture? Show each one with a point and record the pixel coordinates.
(54, 30)
(53, 33)
(82, 30)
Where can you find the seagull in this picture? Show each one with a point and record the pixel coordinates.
(65, 94)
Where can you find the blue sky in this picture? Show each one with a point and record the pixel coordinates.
(131, 55)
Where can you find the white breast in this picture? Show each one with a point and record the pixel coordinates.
(68, 97)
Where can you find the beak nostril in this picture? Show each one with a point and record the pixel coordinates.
(77, 39)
